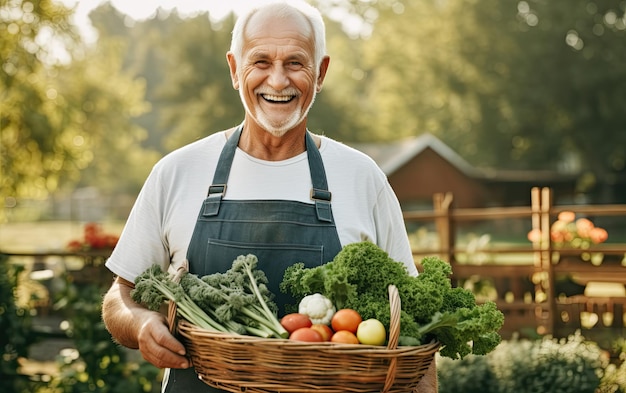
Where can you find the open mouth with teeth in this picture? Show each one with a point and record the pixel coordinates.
(277, 99)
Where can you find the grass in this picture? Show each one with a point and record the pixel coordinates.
(45, 235)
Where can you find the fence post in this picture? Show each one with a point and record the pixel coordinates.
(535, 205)
(443, 223)
(546, 257)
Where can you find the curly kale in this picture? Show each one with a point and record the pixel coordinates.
(154, 287)
(344, 279)
(237, 301)
(359, 277)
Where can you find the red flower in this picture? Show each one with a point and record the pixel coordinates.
(94, 237)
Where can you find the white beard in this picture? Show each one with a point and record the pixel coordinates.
(281, 129)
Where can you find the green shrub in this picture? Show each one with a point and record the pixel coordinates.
(472, 374)
(614, 375)
(99, 364)
(15, 333)
(570, 365)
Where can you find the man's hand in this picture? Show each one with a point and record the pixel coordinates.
(134, 326)
(158, 346)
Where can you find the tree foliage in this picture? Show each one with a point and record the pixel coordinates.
(66, 110)
(509, 84)
(183, 61)
(32, 152)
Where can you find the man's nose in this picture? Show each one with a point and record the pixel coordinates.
(278, 78)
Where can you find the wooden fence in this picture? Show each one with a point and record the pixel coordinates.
(545, 291)
(548, 290)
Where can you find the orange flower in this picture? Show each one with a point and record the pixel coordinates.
(584, 227)
(598, 235)
(534, 235)
(567, 231)
(566, 216)
(557, 237)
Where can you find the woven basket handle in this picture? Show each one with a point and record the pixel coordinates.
(171, 309)
(394, 334)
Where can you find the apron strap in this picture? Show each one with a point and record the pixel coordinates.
(319, 193)
(217, 190)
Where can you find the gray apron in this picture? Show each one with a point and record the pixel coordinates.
(280, 233)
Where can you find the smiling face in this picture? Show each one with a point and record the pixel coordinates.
(277, 78)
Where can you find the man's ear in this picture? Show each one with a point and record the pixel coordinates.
(322, 73)
(232, 65)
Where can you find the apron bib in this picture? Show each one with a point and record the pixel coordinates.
(280, 233)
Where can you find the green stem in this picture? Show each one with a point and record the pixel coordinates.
(269, 315)
(189, 309)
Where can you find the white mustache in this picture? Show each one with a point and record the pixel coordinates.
(285, 92)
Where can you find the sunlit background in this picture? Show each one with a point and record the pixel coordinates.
(466, 105)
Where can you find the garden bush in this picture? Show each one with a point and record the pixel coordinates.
(15, 327)
(571, 365)
(99, 364)
(96, 364)
(472, 374)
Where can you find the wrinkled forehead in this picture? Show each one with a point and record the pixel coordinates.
(274, 19)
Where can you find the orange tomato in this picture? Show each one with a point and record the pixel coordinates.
(324, 330)
(346, 319)
(344, 337)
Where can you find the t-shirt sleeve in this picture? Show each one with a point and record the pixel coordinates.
(391, 230)
(141, 244)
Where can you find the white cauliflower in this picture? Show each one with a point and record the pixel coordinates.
(318, 307)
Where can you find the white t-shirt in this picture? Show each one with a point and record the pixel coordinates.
(162, 220)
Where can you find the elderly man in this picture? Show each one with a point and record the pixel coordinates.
(267, 186)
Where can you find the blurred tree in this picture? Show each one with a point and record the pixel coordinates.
(509, 84)
(196, 91)
(183, 61)
(33, 154)
(337, 109)
(103, 100)
(65, 109)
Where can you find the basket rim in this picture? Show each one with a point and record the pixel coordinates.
(355, 348)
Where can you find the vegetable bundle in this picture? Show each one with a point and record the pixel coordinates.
(237, 301)
(358, 278)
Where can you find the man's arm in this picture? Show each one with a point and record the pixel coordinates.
(134, 326)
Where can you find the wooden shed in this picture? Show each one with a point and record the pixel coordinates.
(419, 167)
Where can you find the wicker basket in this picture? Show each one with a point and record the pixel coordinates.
(238, 363)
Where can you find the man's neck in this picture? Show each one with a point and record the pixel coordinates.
(261, 144)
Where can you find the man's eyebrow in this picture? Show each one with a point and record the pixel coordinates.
(258, 54)
(301, 57)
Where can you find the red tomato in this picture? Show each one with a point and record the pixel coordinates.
(306, 334)
(295, 321)
(346, 319)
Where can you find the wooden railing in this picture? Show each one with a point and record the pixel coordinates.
(528, 292)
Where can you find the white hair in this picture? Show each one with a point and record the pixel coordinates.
(283, 8)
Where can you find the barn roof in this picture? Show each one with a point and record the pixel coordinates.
(391, 156)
